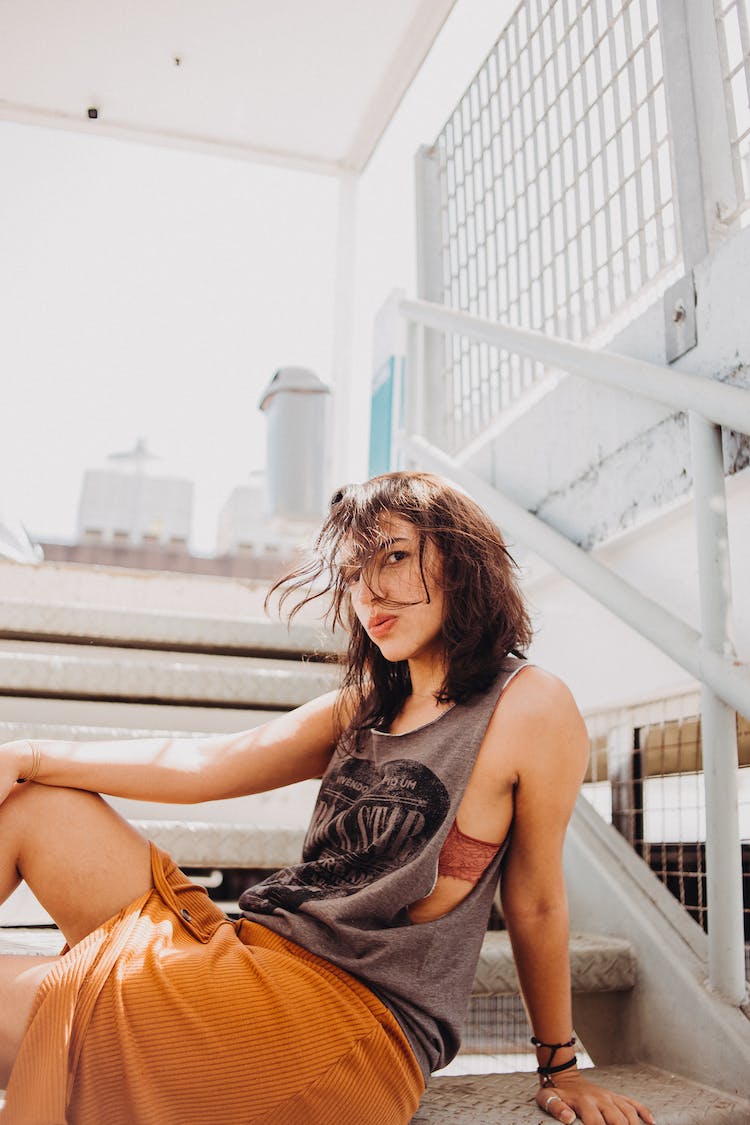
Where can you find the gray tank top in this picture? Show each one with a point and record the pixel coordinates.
(371, 851)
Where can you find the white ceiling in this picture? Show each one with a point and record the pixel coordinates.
(304, 83)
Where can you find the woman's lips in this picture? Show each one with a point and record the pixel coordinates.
(380, 626)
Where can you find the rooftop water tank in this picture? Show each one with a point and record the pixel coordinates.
(296, 405)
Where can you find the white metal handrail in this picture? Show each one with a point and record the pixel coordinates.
(723, 404)
(709, 655)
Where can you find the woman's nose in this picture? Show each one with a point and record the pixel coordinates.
(364, 593)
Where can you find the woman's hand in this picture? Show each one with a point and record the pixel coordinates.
(575, 1098)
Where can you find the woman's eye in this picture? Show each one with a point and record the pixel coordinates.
(395, 557)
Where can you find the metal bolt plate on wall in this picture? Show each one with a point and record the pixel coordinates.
(680, 333)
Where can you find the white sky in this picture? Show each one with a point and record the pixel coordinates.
(154, 292)
(149, 291)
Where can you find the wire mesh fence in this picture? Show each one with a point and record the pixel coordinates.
(497, 1025)
(646, 778)
(557, 198)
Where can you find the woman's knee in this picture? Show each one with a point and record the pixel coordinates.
(81, 859)
(42, 808)
(33, 792)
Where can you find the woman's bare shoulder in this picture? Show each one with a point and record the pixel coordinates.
(538, 695)
(537, 710)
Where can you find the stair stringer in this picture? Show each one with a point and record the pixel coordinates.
(672, 1020)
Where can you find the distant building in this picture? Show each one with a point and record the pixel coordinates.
(129, 518)
(247, 530)
(243, 521)
(124, 507)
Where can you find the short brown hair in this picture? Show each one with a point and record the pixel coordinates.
(485, 616)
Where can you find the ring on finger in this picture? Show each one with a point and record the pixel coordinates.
(551, 1098)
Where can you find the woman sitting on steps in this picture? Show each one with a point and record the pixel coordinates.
(446, 760)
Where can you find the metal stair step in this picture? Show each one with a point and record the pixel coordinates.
(600, 977)
(508, 1098)
(90, 672)
(30, 941)
(201, 844)
(23, 619)
(11, 729)
(73, 719)
(597, 964)
(113, 587)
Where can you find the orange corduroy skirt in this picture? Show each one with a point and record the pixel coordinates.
(172, 1013)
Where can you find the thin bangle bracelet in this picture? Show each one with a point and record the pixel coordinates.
(36, 764)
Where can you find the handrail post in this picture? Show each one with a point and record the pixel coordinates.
(414, 390)
(429, 288)
(702, 170)
(704, 186)
(726, 950)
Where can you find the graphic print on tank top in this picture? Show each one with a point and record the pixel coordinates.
(369, 820)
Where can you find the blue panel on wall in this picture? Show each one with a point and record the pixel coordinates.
(381, 419)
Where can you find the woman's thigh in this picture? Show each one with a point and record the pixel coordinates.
(81, 859)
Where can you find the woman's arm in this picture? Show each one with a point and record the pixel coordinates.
(293, 747)
(551, 751)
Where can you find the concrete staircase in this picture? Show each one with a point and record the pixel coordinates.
(114, 666)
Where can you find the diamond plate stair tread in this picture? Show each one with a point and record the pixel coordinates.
(598, 964)
(202, 844)
(37, 941)
(80, 671)
(87, 732)
(22, 618)
(507, 1099)
(81, 719)
(29, 940)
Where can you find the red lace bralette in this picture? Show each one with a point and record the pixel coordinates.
(463, 857)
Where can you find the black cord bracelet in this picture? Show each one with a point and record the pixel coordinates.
(554, 1046)
(546, 1071)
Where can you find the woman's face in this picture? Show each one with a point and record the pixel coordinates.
(390, 599)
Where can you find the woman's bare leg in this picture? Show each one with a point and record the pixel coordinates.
(82, 861)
